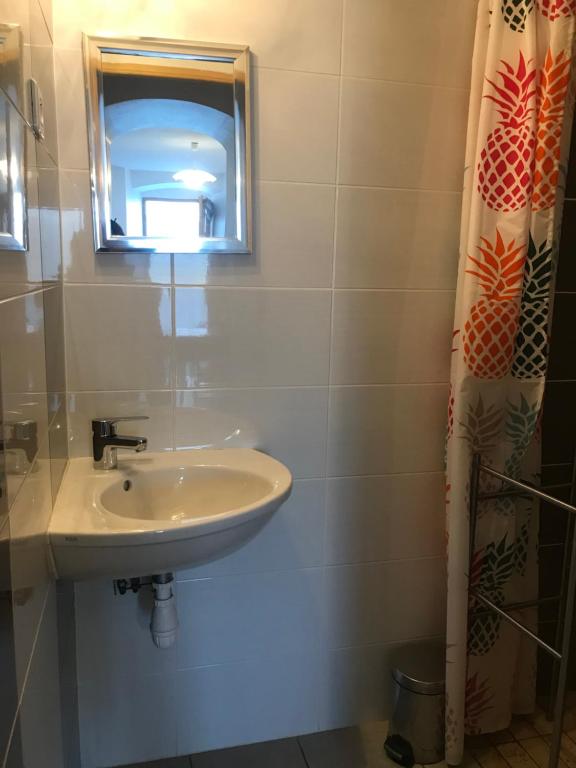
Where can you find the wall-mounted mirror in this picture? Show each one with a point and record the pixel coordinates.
(13, 233)
(169, 134)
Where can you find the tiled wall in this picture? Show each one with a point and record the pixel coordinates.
(32, 383)
(329, 348)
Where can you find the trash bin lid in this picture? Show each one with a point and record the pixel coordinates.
(420, 667)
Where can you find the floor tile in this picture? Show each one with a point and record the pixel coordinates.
(516, 756)
(489, 757)
(360, 747)
(541, 723)
(503, 737)
(284, 753)
(539, 751)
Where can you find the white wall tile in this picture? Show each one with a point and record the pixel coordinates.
(384, 602)
(71, 109)
(241, 338)
(291, 147)
(248, 616)
(301, 34)
(225, 705)
(400, 135)
(384, 518)
(49, 213)
(293, 243)
(355, 686)
(107, 624)
(118, 337)
(292, 538)
(22, 340)
(80, 262)
(382, 337)
(392, 238)
(290, 424)
(85, 406)
(381, 430)
(410, 41)
(128, 720)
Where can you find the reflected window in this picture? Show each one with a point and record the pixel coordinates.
(171, 218)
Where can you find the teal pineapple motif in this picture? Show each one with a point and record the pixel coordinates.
(531, 347)
(520, 425)
(481, 426)
(516, 12)
(495, 564)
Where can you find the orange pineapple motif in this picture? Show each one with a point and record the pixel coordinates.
(553, 9)
(506, 161)
(552, 94)
(491, 328)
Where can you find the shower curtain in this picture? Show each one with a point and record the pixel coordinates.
(519, 125)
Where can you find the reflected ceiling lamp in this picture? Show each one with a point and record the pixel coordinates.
(192, 178)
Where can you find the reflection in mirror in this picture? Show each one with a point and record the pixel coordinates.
(12, 179)
(169, 143)
(12, 141)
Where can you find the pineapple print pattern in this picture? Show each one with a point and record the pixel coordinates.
(520, 427)
(505, 168)
(554, 9)
(531, 352)
(490, 330)
(493, 567)
(515, 13)
(479, 700)
(482, 426)
(552, 93)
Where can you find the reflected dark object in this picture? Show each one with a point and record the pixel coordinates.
(169, 136)
(115, 228)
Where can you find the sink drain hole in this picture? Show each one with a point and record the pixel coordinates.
(127, 484)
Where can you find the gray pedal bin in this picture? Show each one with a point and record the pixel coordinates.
(418, 677)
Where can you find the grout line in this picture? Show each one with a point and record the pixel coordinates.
(309, 183)
(302, 753)
(318, 567)
(270, 387)
(321, 289)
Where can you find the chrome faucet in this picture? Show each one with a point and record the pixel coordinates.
(105, 441)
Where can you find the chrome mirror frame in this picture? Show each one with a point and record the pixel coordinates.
(239, 57)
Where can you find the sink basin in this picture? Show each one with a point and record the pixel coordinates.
(162, 511)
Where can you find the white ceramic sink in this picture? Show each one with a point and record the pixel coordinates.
(162, 511)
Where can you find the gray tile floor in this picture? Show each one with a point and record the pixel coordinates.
(346, 748)
(524, 745)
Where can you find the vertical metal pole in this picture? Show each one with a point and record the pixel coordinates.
(556, 742)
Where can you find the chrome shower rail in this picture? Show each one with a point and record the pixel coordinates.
(518, 488)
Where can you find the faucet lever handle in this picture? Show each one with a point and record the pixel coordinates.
(106, 427)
